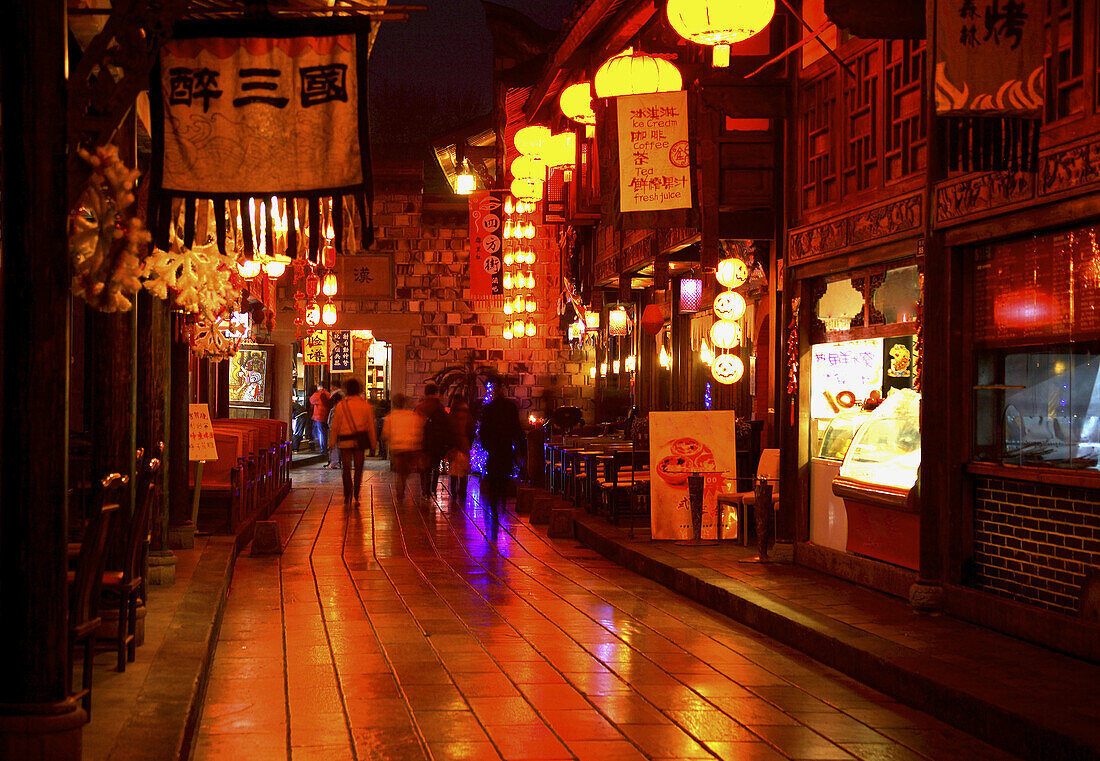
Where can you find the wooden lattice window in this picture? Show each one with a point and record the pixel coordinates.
(1064, 60)
(861, 96)
(906, 137)
(818, 141)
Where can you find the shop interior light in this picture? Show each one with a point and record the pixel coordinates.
(691, 295)
(729, 305)
(603, 369)
(630, 364)
(665, 359)
(592, 372)
(719, 22)
(328, 313)
(615, 367)
(732, 273)
(630, 73)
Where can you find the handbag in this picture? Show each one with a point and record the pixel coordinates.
(355, 440)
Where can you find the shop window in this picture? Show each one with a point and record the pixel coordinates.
(1064, 60)
(1036, 305)
(896, 297)
(839, 306)
(861, 106)
(905, 138)
(819, 168)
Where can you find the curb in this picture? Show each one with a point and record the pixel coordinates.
(928, 685)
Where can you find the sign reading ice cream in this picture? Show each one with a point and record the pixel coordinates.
(654, 152)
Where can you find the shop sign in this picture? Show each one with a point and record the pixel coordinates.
(486, 243)
(654, 152)
(315, 348)
(339, 348)
(367, 277)
(682, 443)
(200, 434)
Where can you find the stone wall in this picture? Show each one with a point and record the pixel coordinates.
(430, 253)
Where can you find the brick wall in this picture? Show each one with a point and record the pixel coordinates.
(431, 256)
(1034, 543)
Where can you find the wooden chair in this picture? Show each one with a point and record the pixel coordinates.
(84, 587)
(123, 585)
(741, 501)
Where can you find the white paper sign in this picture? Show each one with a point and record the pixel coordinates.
(682, 443)
(200, 434)
(654, 152)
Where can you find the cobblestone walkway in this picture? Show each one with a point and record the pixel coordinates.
(412, 633)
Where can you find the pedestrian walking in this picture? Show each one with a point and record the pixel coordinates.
(335, 396)
(403, 432)
(463, 428)
(353, 431)
(502, 437)
(319, 399)
(437, 438)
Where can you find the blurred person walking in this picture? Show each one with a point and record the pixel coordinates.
(437, 438)
(320, 401)
(353, 431)
(335, 396)
(463, 428)
(403, 432)
(502, 437)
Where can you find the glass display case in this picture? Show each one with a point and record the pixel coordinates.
(877, 480)
(838, 435)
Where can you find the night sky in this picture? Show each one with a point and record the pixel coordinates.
(444, 54)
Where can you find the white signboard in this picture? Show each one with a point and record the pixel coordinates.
(843, 374)
(200, 434)
(682, 443)
(654, 152)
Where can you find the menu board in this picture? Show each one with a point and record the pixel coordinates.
(1045, 288)
(843, 374)
(200, 434)
(654, 152)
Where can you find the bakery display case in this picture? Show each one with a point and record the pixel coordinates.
(828, 521)
(877, 481)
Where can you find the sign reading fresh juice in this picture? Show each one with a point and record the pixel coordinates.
(654, 152)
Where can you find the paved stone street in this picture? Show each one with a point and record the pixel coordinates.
(409, 633)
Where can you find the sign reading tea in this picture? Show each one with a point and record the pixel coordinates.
(654, 152)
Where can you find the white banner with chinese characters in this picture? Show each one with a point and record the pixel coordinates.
(654, 152)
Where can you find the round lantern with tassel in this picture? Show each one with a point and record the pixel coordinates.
(719, 23)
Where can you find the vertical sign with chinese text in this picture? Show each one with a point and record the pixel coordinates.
(486, 243)
(315, 348)
(200, 434)
(339, 349)
(654, 152)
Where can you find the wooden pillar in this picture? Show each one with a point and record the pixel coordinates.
(38, 720)
(152, 378)
(181, 532)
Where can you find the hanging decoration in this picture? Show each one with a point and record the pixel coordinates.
(635, 73)
(918, 342)
(733, 272)
(105, 247)
(727, 334)
(197, 280)
(792, 356)
(249, 109)
(518, 278)
(487, 224)
(215, 340)
(989, 84)
(719, 23)
(618, 322)
(575, 102)
(653, 319)
(727, 368)
(691, 295)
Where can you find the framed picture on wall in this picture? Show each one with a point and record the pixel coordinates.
(248, 376)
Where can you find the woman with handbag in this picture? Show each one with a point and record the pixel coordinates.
(463, 429)
(353, 432)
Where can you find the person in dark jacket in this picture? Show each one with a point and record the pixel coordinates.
(463, 428)
(437, 438)
(502, 437)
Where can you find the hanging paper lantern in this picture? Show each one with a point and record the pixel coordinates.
(276, 265)
(727, 368)
(562, 150)
(725, 334)
(530, 141)
(248, 268)
(618, 322)
(313, 313)
(527, 189)
(530, 305)
(729, 305)
(691, 295)
(630, 73)
(328, 313)
(508, 258)
(508, 332)
(313, 286)
(732, 273)
(719, 22)
(508, 207)
(592, 320)
(576, 103)
(465, 184)
(507, 307)
(328, 254)
(328, 284)
(529, 167)
(652, 319)
(517, 328)
(530, 329)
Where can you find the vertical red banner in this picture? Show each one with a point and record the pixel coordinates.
(486, 243)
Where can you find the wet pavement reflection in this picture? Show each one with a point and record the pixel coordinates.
(433, 631)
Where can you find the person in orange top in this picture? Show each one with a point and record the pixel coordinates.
(321, 404)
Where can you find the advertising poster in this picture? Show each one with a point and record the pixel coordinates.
(315, 348)
(248, 376)
(486, 243)
(654, 152)
(843, 374)
(200, 434)
(339, 349)
(682, 443)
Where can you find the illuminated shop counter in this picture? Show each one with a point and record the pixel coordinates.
(828, 520)
(877, 482)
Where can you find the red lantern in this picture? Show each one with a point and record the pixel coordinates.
(653, 319)
(328, 256)
(313, 286)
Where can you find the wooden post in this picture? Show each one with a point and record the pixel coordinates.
(181, 532)
(152, 378)
(38, 719)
